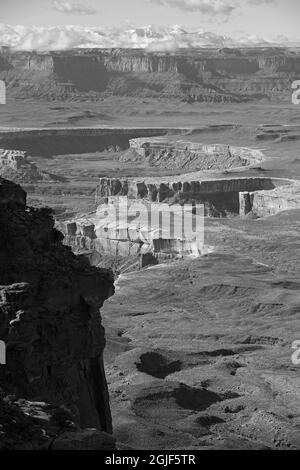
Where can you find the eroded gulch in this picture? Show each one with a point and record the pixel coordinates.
(188, 173)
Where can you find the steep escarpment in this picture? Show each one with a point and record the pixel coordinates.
(266, 203)
(53, 386)
(127, 228)
(205, 75)
(15, 166)
(192, 187)
(151, 219)
(180, 154)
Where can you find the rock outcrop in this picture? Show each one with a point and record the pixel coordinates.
(205, 75)
(53, 381)
(126, 227)
(179, 154)
(137, 218)
(267, 203)
(15, 166)
(219, 196)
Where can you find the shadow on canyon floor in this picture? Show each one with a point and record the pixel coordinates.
(199, 351)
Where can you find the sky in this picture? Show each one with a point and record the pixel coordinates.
(263, 18)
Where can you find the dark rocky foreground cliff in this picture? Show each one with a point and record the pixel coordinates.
(204, 75)
(53, 391)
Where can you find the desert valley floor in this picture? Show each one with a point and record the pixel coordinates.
(198, 350)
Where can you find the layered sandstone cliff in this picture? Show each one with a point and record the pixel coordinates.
(125, 227)
(53, 390)
(168, 153)
(148, 216)
(191, 187)
(15, 166)
(196, 75)
(268, 203)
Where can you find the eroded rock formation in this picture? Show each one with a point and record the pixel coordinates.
(180, 154)
(266, 203)
(15, 166)
(126, 227)
(54, 380)
(205, 75)
(192, 187)
(134, 217)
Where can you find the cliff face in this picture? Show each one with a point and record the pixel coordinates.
(51, 325)
(180, 154)
(15, 166)
(200, 75)
(127, 221)
(191, 63)
(266, 203)
(125, 228)
(186, 188)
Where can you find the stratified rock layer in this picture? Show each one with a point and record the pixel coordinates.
(15, 166)
(220, 196)
(131, 228)
(203, 75)
(112, 230)
(180, 154)
(51, 324)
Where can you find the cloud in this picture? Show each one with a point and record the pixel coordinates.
(73, 9)
(222, 8)
(150, 38)
(261, 2)
(164, 45)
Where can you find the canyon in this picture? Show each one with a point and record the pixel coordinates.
(106, 230)
(223, 178)
(197, 349)
(201, 75)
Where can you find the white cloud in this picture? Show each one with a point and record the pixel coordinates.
(73, 9)
(151, 38)
(164, 45)
(261, 2)
(222, 8)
